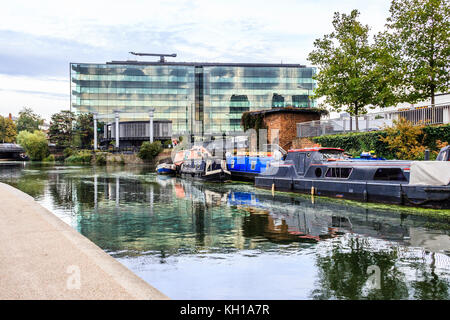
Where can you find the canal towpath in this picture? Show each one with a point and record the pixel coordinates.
(42, 257)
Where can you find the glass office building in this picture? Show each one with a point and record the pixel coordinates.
(197, 97)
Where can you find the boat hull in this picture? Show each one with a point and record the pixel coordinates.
(166, 169)
(206, 170)
(389, 193)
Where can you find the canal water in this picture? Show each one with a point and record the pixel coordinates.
(194, 240)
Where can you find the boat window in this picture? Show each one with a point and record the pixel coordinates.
(318, 172)
(253, 165)
(232, 163)
(331, 154)
(342, 173)
(389, 174)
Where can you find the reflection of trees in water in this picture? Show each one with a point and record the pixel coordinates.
(429, 286)
(32, 183)
(343, 274)
(61, 190)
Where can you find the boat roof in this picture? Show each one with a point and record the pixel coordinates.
(315, 149)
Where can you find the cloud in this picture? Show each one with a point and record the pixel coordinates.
(38, 39)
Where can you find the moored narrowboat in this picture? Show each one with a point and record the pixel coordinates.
(166, 169)
(199, 163)
(327, 172)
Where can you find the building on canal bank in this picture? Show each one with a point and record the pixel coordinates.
(198, 98)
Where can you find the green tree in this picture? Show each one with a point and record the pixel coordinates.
(8, 130)
(60, 130)
(84, 129)
(28, 120)
(148, 150)
(348, 69)
(419, 32)
(35, 144)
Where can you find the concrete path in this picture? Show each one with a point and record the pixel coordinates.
(41, 257)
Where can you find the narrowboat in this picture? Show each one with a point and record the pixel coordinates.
(247, 167)
(166, 169)
(200, 164)
(327, 172)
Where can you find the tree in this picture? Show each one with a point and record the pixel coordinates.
(349, 75)
(28, 120)
(149, 150)
(84, 128)
(8, 130)
(35, 144)
(60, 130)
(421, 31)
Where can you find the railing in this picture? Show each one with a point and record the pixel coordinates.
(430, 115)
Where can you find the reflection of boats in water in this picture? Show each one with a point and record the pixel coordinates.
(282, 218)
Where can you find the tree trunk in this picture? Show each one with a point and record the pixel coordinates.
(356, 118)
(432, 95)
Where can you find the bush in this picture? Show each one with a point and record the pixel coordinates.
(82, 156)
(68, 152)
(35, 144)
(433, 137)
(406, 140)
(50, 158)
(149, 150)
(167, 143)
(100, 159)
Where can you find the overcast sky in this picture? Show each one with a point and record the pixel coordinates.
(38, 39)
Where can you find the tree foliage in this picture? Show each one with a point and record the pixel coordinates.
(8, 131)
(60, 130)
(84, 129)
(349, 76)
(418, 38)
(149, 151)
(28, 120)
(35, 144)
(406, 139)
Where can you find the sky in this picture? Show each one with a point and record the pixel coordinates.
(38, 39)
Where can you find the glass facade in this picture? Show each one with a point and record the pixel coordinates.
(199, 98)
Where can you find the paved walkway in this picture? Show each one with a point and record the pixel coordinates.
(41, 257)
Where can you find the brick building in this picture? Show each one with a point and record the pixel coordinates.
(285, 121)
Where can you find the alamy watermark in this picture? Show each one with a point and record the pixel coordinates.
(74, 279)
(374, 280)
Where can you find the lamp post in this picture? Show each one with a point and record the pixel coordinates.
(95, 130)
(150, 113)
(117, 128)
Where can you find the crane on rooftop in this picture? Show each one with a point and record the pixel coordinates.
(160, 55)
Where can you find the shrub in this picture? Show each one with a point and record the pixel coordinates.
(35, 144)
(405, 139)
(68, 152)
(82, 156)
(149, 150)
(100, 159)
(167, 143)
(50, 158)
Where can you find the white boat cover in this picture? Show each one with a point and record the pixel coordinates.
(431, 173)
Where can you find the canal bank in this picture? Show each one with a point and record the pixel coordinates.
(41, 257)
